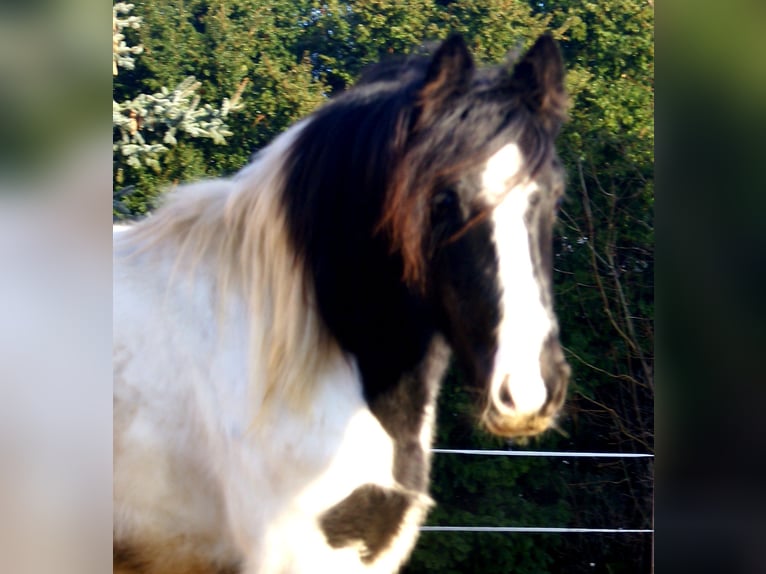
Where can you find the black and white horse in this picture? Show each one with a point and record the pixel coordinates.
(280, 336)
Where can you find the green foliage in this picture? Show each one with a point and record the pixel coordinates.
(122, 54)
(493, 27)
(291, 56)
(343, 37)
(241, 48)
(172, 111)
(147, 125)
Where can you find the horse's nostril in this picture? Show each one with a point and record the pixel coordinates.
(505, 397)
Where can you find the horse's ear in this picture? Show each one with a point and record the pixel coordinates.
(539, 78)
(449, 74)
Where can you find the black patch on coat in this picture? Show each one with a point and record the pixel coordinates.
(371, 515)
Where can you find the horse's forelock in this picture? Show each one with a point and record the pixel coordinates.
(421, 166)
(435, 149)
(425, 167)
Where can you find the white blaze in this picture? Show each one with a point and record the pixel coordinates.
(525, 322)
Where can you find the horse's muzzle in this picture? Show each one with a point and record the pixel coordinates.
(502, 415)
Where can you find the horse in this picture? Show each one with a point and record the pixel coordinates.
(280, 335)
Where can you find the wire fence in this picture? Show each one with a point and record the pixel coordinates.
(538, 529)
(541, 453)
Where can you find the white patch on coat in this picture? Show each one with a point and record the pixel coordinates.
(499, 172)
(525, 323)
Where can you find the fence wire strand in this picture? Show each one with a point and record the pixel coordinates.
(538, 529)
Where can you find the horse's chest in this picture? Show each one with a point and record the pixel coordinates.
(332, 489)
(335, 485)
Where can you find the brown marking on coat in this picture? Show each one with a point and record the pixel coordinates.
(177, 555)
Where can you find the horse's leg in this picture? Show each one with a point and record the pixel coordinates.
(169, 557)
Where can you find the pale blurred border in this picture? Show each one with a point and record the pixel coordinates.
(55, 287)
(710, 285)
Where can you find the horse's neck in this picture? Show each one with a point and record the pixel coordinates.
(406, 409)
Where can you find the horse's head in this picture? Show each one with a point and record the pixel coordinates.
(426, 195)
(482, 176)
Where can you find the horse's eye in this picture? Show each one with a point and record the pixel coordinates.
(445, 200)
(559, 201)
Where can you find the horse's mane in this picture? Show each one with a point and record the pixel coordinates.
(238, 227)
